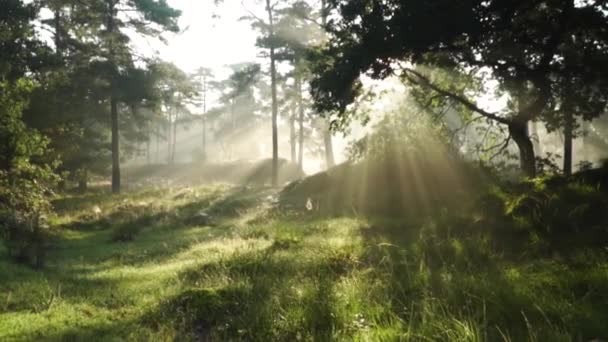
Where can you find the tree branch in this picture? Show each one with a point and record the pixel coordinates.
(419, 78)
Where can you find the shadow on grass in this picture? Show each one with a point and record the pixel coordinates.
(131, 214)
(267, 295)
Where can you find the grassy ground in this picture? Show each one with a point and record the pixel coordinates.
(139, 269)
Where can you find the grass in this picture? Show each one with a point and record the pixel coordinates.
(257, 275)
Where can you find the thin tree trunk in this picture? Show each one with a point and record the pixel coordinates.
(204, 138)
(584, 137)
(292, 135)
(568, 128)
(301, 123)
(58, 31)
(275, 109)
(329, 148)
(204, 156)
(169, 141)
(115, 146)
(174, 139)
(156, 158)
(111, 7)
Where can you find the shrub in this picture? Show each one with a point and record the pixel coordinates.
(125, 232)
(23, 211)
(25, 173)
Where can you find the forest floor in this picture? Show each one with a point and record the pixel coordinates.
(143, 266)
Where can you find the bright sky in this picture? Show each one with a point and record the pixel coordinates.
(207, 40)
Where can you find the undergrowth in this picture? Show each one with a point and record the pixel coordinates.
(521, 263)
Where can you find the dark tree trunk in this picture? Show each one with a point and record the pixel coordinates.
(519, 133)
(584, 137)
(111, 7)
(329, 148)
(115, 146)
(58, 32)
(275, 109)
(568, 128)
(301, 124)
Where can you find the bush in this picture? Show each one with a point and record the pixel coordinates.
(25, 237)
(24, 175)
(23, 216)
(125, 232)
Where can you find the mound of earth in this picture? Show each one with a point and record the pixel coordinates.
(385, 187)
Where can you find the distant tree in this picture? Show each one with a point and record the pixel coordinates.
(267, 27)
(202, 78)
(175, 89)
(239, 108)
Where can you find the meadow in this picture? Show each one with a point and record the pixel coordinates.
(139, 267)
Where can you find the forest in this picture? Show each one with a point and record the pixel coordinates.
(304, 170)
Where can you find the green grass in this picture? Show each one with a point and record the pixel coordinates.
(255, 274)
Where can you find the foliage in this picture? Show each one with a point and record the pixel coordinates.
(25, 177)
(545, 61)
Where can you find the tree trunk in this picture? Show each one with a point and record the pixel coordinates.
(584, 137)
(568, 128)
(113, 101)
(174, 140)
(115, 146)
(519, 133)
(169, 141)
(301, 124)
(301, 141)
(156, 158)
(534, 135)
(275, 109)
(292, 135)
(58, 31)
(204, 138)
(204, 156)
(329, 148)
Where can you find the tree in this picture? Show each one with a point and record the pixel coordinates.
(146, 17)
(238, 113)
(268, 41)
(273, 85)
(531, 48)
(20, 51)
(204, 76)
(175, 90)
